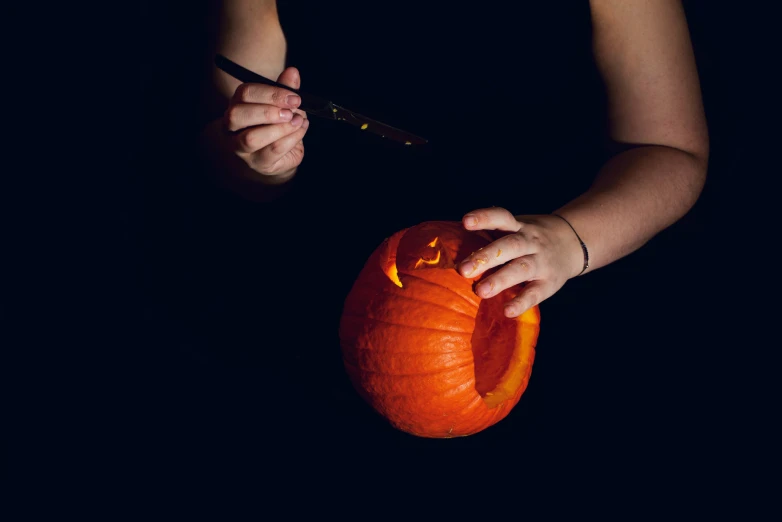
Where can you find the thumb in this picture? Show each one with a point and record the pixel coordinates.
(290, 77)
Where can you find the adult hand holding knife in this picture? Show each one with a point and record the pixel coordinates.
(266, 122)
(320, 107)
(255, 143)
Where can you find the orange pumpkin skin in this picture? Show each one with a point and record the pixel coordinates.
(422, 348)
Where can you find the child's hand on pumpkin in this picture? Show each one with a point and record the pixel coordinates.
(540, 251)
(264, 127)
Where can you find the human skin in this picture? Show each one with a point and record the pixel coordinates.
(645, 58)
(258, 143)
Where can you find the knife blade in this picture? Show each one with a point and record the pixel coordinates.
(318, 106)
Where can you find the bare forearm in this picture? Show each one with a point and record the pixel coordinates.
(253, 141)
(636, 195)
(250, 34)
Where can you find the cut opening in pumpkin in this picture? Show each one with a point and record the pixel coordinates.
(422, 348)
(502, 347)
(498, 353)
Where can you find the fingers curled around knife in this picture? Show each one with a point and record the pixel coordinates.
(266, 95)
(242, 115)
(282, 154)
(290, 77)
(255, 138)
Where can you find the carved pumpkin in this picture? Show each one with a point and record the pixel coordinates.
(422, 348)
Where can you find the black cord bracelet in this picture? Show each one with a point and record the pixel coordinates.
(583, 246)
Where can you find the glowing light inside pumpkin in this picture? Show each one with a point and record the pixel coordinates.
(415, 377)
(434, 261)
(423, 261)
(393, 275)
(392, 272)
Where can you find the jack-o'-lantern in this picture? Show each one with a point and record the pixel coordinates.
(422, 348)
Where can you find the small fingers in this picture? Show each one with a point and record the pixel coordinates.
(516, 272)
(266, 95)
(256, 138)
(243, 115)
(497, 253)
(495, 218)
(532, 294)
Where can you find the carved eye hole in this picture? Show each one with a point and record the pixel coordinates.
(430, 261)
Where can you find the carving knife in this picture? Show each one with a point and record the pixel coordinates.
(321, 107)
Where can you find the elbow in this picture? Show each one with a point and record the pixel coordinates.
(698, 149)
(699, 174)
(698, 153)
(691, 167)
(680, 172)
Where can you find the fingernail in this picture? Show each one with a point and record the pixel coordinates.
(297, 120)
(286, 114)
(470, 221)
(485, 290)
(468, 267)
(510, 311)
(305, 124)
(293, 100)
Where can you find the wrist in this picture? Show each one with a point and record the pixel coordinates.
(579, 257)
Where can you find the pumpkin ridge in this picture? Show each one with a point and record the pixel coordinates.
(395, 352)
(416, 374)
(457, 390)
(407, 274)
(383, 338)
(456, 377)
(366, 317)
(393, 363)
(472, 402)
(438, 305)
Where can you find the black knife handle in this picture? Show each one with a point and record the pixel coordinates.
(309, 103)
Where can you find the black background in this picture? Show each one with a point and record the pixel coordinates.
(195, 333)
